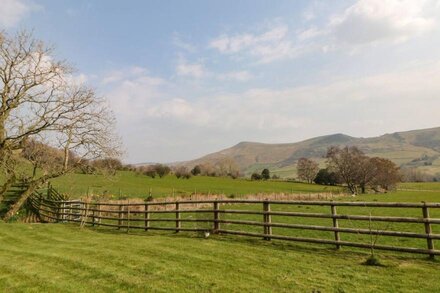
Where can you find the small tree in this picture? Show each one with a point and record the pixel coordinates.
(386, 174)
(196, 170)
(161, 170)
(265, 174)
(182, 172)
(150, 172)
(307, 169)
(325, 177)
(346, 162)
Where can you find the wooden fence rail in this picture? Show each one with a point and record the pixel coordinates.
(138, 216)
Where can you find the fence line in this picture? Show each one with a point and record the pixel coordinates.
(125, 215)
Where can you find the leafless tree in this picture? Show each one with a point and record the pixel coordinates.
(42, 105)
(386, 174)
(307, 169)
(346, 163)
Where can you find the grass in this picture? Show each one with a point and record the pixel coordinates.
(420, 186)
(132, 185)
(61, 257)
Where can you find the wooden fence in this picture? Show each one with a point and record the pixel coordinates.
(139, 216)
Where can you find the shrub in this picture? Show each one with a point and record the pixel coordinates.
(265, 174)
(182, 172)
(196, 170)
(256, 176)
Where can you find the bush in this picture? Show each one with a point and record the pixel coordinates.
(182, 172)
(256, 176)
(196, 170)
(325, 177)
(150, 173)
(265, 174)
(161, 170)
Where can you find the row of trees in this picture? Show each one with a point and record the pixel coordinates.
(264, 175)
(154, 170)
(47, 118)
(222, 168)
(351, 167)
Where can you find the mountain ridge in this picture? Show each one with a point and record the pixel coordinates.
(413, 148)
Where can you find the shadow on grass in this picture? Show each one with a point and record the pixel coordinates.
(279, 245)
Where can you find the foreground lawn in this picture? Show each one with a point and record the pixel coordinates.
(130, 184)
(62, 257)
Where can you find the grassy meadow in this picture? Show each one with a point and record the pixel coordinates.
(130, 184)
(67, 258)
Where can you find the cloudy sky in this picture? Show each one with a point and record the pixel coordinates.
(186, 78)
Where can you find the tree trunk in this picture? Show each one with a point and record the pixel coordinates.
(24, 196)
(6, 186)
(362, 188)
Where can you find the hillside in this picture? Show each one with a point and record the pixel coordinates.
(416, 148)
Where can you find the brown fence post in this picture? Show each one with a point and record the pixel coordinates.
(177, 218)
(216, 217)
(120, 216)
(267, 220)
(128, 217)
(147, 217)
(93, 215)
(99, 213)
(428, 229)
(58, 213)
(335, 225)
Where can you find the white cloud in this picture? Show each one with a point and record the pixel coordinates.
(180, 43)
(370, 21)
(160, 122)
(185, 68)
(123, 74)
(235, 76)
(13, 11)
(268, 46)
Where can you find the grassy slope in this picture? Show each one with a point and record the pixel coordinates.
(57, 257)
(401, 147)
(130, 184)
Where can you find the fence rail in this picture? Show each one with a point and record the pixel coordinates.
(139, 216)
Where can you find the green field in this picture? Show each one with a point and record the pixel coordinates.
(129, 184)
(64, 257)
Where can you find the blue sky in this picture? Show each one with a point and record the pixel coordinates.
(186, 78)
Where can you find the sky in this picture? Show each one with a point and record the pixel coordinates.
(186, 78)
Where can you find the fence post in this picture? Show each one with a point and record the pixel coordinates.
(216, 217)
(99, 213)
(128, 217)
(120, 216)
(147, 217)
(428, 229)
(335, 225)
(93, 215)
(58, 213)
(177, 218)
(267, 220)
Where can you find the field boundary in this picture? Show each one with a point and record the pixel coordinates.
(138, 216)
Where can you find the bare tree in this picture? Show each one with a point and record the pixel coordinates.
(346, 163)
(41, 105)
(307, 169)
(386, 174)
(366, 172)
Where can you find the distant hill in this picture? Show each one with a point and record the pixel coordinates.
(416, 148)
